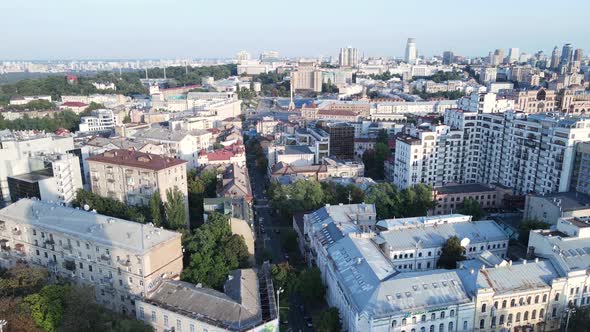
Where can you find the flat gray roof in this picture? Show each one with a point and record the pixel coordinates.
(463, 188)
(94, 227)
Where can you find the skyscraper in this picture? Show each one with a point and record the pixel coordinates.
(497, 58)
(578, 54)
(411, 52)
(348, 57)
(448, 57)
(566, 56)
(513, 55)
(554, 58)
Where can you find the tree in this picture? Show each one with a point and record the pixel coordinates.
(328, 321)
(471, 207)
(212, 251)
(111, 207)
(580, 320)
(289, 241)
(452, 252)
(16, 315)
(156, 207)
(22, 280)
(46, 307)
(175, 209)
(283, 276)
(261, 163)
(525, 227)
(310, 286)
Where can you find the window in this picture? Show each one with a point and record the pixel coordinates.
(441, 327)
(572, 291)
(451, 327)
(192, 328)
(509, 318)
(518, 317)
(496, 304)
(141, 313)
(442, 315)
(465, 325)
(556, 297)
(178, 325)
(431, 328)
(541, 313)
(544, 298)
(525, 316)
(493, 322)
(423, 318)
(528, 300)
(501, 319)
(554, 312)
(404, 322)
(503, 304)
(512, 302)
(534, 314)
(433, 316)
(153, 316)
(482, 323)
(536, 299)
(394, 323)
(483, 307)
(414, 320)
(422, 329)
(452, 313)
(166, 321)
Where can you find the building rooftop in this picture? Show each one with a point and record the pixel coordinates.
(568, 201)
(94, 227)
(297, 149)
(137, 159)
(463, 188)
(237, 309)
(436, 235)
(33, 177)
(400, 223)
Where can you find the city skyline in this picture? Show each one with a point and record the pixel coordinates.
(189, 30)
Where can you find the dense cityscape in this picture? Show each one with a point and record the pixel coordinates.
(263, 192)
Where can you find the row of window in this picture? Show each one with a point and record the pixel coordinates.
(423, 318)
(177, 327)
(441, 328)
(521, 301)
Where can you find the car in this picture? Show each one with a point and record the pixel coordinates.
(309, 324)
(277, 230)
(286, 256)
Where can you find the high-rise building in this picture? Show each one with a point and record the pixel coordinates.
(306, 77)
(497, 58)
(578, 54)
(411, 52)
(513, 55)
(448, 57)
(528, 153)
(555, 58)
(488, 75)
(348, 57)
(567, 53)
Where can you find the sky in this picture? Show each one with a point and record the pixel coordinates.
(123, 29)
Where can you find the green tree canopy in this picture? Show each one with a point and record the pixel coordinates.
(175, 209)
(111, 207)
(328, 321)
(525, 228)
(156, 209)
(309, 284)
(212, 251)
(452, 252)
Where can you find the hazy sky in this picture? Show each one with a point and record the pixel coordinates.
(69, 29)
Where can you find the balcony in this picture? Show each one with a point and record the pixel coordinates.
(124, 262)
(69, 265)
(49, 242)
(105, 257)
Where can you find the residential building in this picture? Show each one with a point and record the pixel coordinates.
(133, 177)
(57, 182)
(348, 57)
(23, 100)
(487, 75)
(448, 58)
(485, 102)
(266, 126)
(581, 178)
(17, 149)
(123, 260)
(246, 304)
(533, 101)
(317, 139)
(306, 77)
(181, 144)
(100, 120)
(450, 198)
(231, 154)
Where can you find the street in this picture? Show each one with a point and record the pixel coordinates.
(268, 240)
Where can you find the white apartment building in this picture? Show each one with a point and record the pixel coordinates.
(123, 260)
(487, 75)
(181, 144)
(23, 100)
(383, 110)
(317, 139)
(267, 126)
(529, 153)
(430, 155)
(485, 102)
(100, 120)
(17, 149)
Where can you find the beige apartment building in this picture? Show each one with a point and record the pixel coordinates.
(123, 260)
(132, 177)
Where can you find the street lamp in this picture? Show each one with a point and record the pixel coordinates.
(3, 323)
(279, 291)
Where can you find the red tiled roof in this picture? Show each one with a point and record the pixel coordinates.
(74, 104)
(137, 159)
